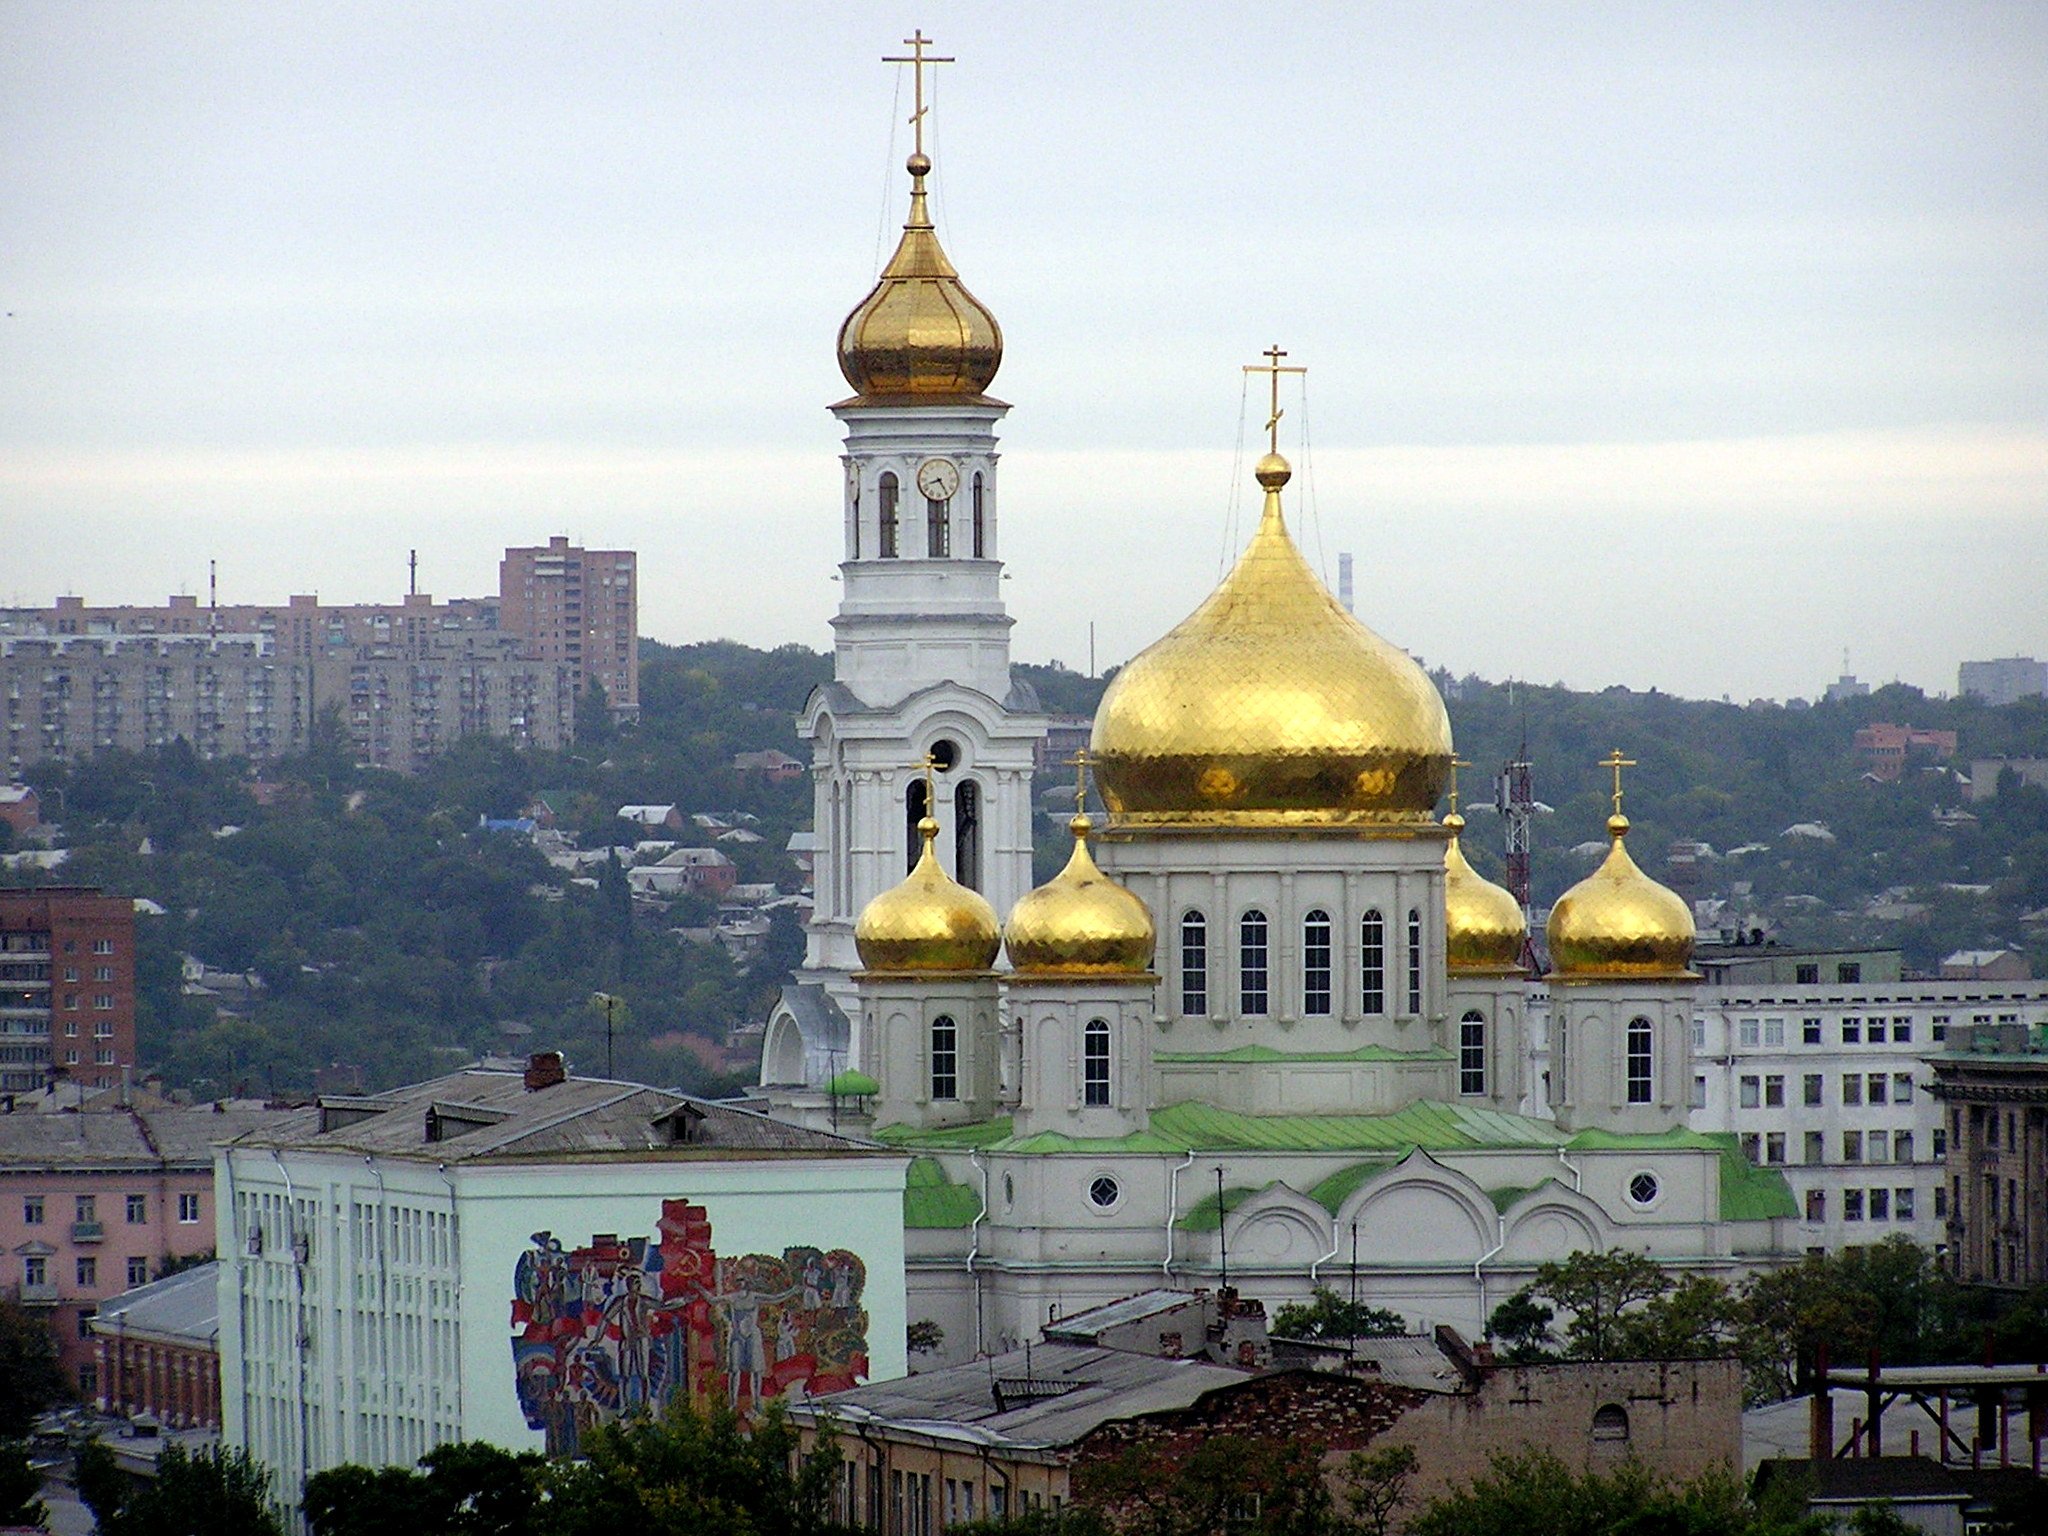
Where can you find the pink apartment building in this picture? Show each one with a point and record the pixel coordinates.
(94, 1201)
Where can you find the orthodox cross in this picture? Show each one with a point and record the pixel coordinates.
(1617, 762)
(1456, 763)
(917, 58)
(1080, 761)
(1273, 354)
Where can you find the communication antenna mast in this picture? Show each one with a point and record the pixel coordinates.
(1515, 799)
(213, 597)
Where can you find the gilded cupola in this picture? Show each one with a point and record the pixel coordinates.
(920, 335)
(1271, 706)
(930, 922)
(1484, 929)
(1080, 922)
(1618, 923)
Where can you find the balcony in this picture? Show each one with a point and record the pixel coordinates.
(40, 1293)
(88, 1231)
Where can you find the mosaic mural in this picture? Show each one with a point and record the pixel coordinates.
(625, 1325)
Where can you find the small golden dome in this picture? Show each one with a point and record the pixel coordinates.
(920, 333)
(1269, 705)
(1080, 922)
(1483, 925)
(931, 922)
(1618, 922)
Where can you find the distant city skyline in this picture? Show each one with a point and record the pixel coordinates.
(1669, 348)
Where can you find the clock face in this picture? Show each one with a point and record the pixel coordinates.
(938, 479)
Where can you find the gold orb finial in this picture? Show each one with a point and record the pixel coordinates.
(1272, 471)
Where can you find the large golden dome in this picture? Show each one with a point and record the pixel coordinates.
(931, 922)
(1619, 923)
(1080, 922)
(1271, 706)
(1483, 924)
(920, 334)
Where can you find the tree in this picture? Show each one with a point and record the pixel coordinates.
(465, 1488)
(31, 1379)
(20, 1483)
(1522, 1324)
(1596, 1289)
(1699, 1318)
(1326, 1315)
(1374, 1484)
(924, 1336)
(1265, 1486)
(218, 1491)
(691, 1471)
(1535, 1491)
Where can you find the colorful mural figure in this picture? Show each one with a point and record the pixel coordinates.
(624, 1326)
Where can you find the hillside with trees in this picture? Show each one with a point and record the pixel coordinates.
(382, 932)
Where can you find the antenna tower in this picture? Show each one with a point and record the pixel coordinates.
(1515, 798)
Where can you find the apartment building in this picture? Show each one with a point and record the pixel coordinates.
(1992, 1082)
(67, 987)
(581, 608)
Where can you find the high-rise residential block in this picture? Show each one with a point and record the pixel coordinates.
(67, 987)
(579, 607)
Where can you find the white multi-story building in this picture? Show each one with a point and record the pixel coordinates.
(516, 1257)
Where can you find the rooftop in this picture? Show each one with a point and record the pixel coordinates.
(174, 1135)
(180, 1309)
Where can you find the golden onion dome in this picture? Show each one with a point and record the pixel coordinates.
(1484, 929)
(1618, 922)
(1080, 922)
(920, 334)
(930, 922)
(1270, 705)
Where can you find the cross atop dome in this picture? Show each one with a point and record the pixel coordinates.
(917, 59)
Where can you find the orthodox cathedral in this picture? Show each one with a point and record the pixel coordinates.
(1267, 1027)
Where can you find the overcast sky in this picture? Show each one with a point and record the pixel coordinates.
(1663, 345)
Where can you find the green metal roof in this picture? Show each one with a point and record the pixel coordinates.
(930, 1199)
(853, 1083)
(1345, 1182)
(1207, 1213)
(1267, 1053)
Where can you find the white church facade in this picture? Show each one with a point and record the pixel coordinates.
(1268, 1025)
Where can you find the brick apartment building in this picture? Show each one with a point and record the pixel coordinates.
(1886, 749)
(1993, 1083)
(579, 607)
(67, 987)
(251, 680)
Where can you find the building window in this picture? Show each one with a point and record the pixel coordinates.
(1251, 962)
(1807, 975)
(85, 1208)
(88, 1270)
(1852, 1205)
(1095, 1063)
(1852, 1146)
(1752, 1148)
(101, 946)
(980, 522)
(916, 806)
(967, 834)
(887, 490)
(1810, 1088)
(1699, 1093)
(1876, 1090)
(1902, 1031)
(1751, 1032)
(1940, 1201)
(1643, 1189)
(1699, 1032)
(1848, 970)
(1902, 1087)
(1774, 1032)
(1816, 1205)
(1809, 1031)
(1315, 962)
(1610, 1423)
(1372, 963)
(1414, 961)
(1639, 1036)
(138, 1209)
(1750, 1097)
(1880, 1205)
(1774, 1092)
(1902, 1203)
(1103, 1192)
(1940, 1144)
(1852, 1088)
(945, 1058)
(1852, 1031)
(32, 1210)
(138, 1272)
(1472, 1053)
(188, 1208)
(103, 1001)
(1194, 964)
(1774, 1147)
(35, 1270)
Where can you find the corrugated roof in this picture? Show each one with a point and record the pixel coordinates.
(930, 1199)
(174, 1135)
(183, 1309)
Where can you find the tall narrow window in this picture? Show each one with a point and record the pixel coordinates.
(938, 530)
(945, 1058)
(1315, 962)
(967, 834)
(1372, 963)
(980, 523)
(1251, 962)
(1414, 961)
(1194, 964)
(1095, 1063)
(1639, 1036)
(1472, 1053)
(914, 807)
(886, 505)
(854, 493)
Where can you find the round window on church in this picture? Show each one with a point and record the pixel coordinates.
(1103, 1192)
(1644, 1189)
(945, 754)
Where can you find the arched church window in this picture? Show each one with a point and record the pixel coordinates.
(980, 523)
(915, 805)
(1472, 1052)
(967, 834)
(1610, 1422)
(886, 489)
(1194, 964)
(1414, 961)
(1251, 962)
(1095, 1063)
(1640, 1036)
(1372, 963)
(945, 1058)
(1315, 962)
(938, 529)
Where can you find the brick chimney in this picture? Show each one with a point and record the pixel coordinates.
(544, 1069)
